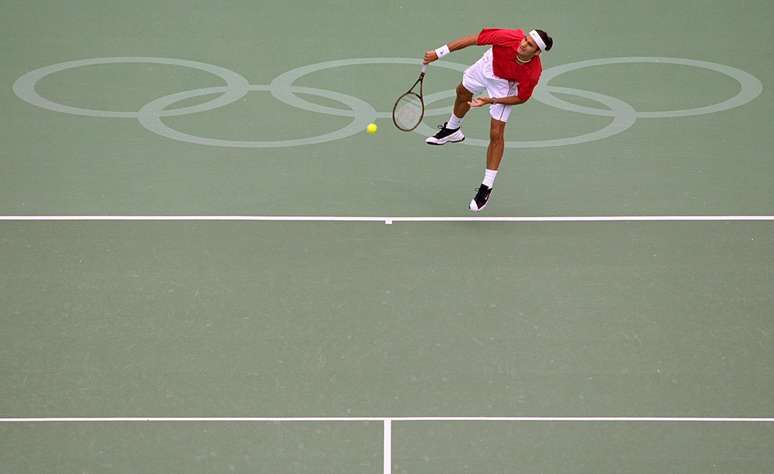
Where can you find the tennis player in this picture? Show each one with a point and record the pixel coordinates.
(508, 72)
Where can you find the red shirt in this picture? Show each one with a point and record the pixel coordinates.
(505, 44)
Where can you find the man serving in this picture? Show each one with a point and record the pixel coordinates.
(508, 72)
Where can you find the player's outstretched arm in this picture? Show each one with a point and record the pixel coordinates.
(509, 100)
(455, 45)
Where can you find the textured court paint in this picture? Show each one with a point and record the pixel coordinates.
(198, 448)
(338, 319)
(56, 163)
(359, 319)
(443, 448)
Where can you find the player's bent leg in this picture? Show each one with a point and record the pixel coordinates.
(461, 102)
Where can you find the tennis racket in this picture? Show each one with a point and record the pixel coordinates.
(410, 107)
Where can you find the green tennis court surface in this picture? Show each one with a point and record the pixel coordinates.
(290, 345)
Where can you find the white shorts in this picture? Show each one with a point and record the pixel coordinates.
(479, 78)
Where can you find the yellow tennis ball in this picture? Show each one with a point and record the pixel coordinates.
(372, 128)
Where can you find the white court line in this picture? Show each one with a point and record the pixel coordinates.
(387, 446)
(543, 419)
(390, 219)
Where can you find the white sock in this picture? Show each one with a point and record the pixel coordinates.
(454, 122)
(489, 177)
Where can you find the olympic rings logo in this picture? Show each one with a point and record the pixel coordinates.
(361, 112)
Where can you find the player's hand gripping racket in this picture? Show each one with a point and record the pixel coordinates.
(410, 107)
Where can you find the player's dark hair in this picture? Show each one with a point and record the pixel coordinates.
(546, 39)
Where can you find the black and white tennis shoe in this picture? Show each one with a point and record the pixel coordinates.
(481, 198)
(446, 135)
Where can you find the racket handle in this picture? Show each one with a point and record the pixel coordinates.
(424, 68)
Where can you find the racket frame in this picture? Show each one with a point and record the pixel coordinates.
(419, 81)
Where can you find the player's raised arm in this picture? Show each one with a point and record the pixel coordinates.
(455, 45)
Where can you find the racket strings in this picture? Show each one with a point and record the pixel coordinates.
(408, 112)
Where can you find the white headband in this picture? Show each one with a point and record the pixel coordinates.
(535, 36)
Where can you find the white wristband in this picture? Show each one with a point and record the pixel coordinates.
(442, 51)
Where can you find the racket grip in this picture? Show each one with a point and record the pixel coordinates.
(424, 68)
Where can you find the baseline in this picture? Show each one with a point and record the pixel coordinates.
(549, 419)
(390, 220)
